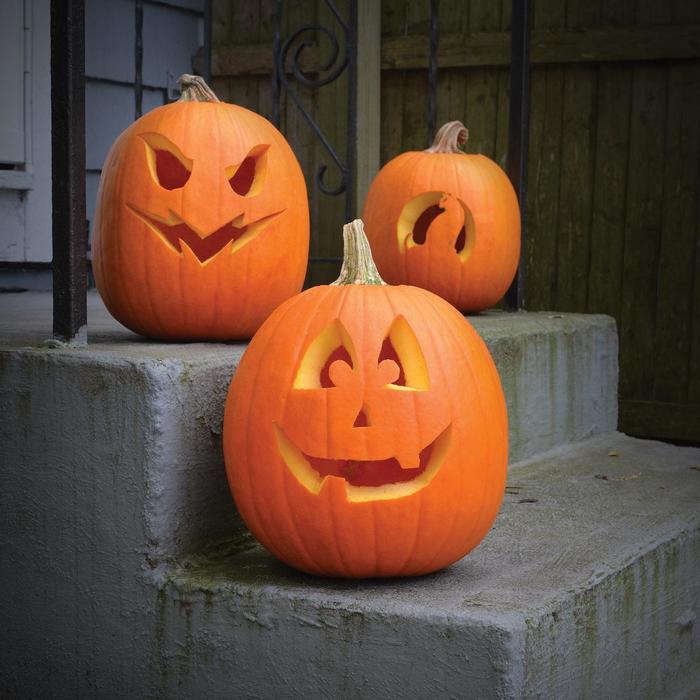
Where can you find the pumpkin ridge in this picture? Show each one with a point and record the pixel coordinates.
(431, 310)
(410, 551)
(323, 293)
(253, 500)
(485, 483)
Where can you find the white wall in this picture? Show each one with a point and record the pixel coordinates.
(172, 33)
(25, 195)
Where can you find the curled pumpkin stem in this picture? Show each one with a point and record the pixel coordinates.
(450, 138)
(194, 89)
(358, 265)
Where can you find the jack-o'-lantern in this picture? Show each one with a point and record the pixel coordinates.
(202, 224)
(446, 221)
(365, 431)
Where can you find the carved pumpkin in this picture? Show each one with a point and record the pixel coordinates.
(446, 221)
(365, 431)
(202, 224)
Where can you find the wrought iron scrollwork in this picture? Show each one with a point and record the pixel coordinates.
(288, 58)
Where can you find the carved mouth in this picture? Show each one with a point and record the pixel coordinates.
(365, 480)
(175, 231)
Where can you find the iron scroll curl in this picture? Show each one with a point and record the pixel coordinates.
(326, 71)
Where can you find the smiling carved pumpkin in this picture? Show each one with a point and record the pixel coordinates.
(365, 431)
(202, 224)
(447, 221)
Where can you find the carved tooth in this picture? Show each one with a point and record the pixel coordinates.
(408, 459)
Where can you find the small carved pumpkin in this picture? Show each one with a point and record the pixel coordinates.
(446, 221)
(202, 223)
(365, 431)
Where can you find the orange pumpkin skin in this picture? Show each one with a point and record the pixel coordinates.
(480, 216)
(274, 413)
(200, 286)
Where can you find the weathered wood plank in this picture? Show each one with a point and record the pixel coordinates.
(617, 13)
(294, 126)
(391, 124)
(220, 21)
(453, 16)
(544, 166)
(576, 188)
(584, 45)
(642, 230)
(393, 23)
(578, 162)
(414, 114)
(693, 394)
(652, 12)
(503, 100)
(328, 211)
(244, 22)
(610, 190)
(544, 183)
(482, 84)
(368, 98)
(548, 15)
(267, 31)
(493, 49)
(658, 419)
(681, 184)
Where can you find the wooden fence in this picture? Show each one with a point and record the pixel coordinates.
(613, 222)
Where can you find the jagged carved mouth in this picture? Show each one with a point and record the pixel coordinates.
(365, 480)
(175, 231)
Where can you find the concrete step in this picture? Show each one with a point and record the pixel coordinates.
(126, 573)
(588, 586)
(151, 413)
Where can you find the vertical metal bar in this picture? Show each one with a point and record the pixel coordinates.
(351, 156)
(68, 170)
(276, 59)
(138, 59)
(518, 132)
(432, 71)
(207, 40)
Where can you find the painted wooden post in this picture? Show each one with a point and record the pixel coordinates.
(368, 101)
(68, 170)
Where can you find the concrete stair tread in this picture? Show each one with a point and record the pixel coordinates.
(582, 587)
(622, 495)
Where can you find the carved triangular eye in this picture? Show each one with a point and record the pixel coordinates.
(401, 349)
(247, 177)
(169, 167)
(330, 347)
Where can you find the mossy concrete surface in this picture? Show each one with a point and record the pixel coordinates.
(559, 371)
(588, 586)
(112, 479)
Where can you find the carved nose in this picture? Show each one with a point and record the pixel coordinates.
(361, 421)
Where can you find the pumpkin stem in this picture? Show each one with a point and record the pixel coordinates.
(358, 266)
(450, 138)
(194, 89)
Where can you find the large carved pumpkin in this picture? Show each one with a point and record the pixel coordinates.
(365, 431)
(446, 221)
(202, 224)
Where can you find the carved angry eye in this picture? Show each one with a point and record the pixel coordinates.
(169, 167)
(329, 355)
(247, 177)
(401, 361)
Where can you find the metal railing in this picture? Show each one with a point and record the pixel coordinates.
(68, 128)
